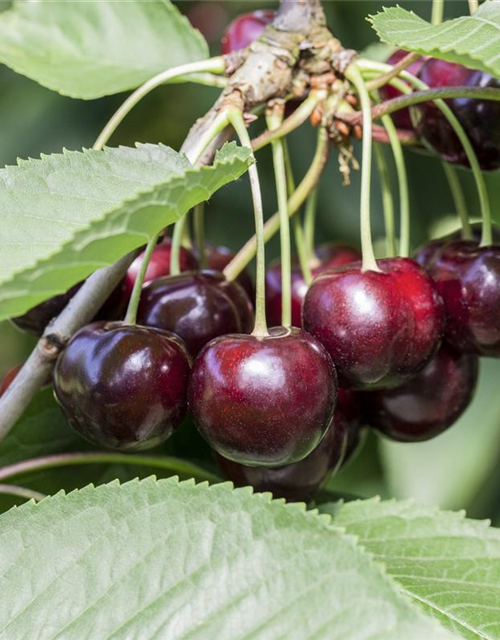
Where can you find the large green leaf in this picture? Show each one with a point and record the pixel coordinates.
(167, 560)
(64, 216)
(469, 40)
(91, 49)
(449, 565)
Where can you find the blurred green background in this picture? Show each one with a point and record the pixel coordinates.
(460, 469)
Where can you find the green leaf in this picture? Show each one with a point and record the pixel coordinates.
(469, 40)
(448, 564)
(64, 216)
(175, 560)
(92, 49)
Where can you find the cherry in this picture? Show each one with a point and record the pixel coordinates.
(299, 481)
(123, 386)
(197, 306)
(402, 119)
(478, 117)
(217, 260)
(263, 401)
(468, 279)
(429, 403)
(245, 29)
(327, 256)
(379, 327)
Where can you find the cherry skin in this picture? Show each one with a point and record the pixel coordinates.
(121, 386)
(429, 403)
(479, 118)
(245, 29)
(197, 306)
(299, 481)
(468, 279)
(379, 327)
(217, 260)
(327, 256)
(263, 401)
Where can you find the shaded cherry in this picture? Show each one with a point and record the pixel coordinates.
(197, 306)
(468, 279)
(263, 401)
(123, 386)
(379, 327)
(299, 481)
(245, 29)
(429, 403)
(327, 256)
(479, 118)
(218, 257)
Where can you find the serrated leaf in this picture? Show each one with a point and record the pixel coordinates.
(469, 40)
(448, 564)
(92, 49)
(64, 216)
(167, 560)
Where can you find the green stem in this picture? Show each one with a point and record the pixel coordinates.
(21, 492)
(274, 120)
(353, 74)
(310, 223)
(199, 233)
(437, 11)
(387, 201)
(297, 199)
(131, 315)
(459, 200)
(260, 329)
(175, 465)
(214, 65)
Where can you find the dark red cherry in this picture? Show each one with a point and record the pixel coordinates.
(197, 306)
(217, 260)
(327, 256)
(479, 118)
(245, 29)
(300, 481)
(429, 403)
(159, 265)
(263, 401)
(468, 280)
(123, 386)
(379, 327)
(402, 118)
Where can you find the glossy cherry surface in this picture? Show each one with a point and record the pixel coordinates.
(218, 257)
(429, 403)
(123, 386)
(478, 117)
(468, 279)
(263, 401)
(379, 327)
(245, 29)
(402, 119)
(300, 481)
(327, 256)
(197, 306)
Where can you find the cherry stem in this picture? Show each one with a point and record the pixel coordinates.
(131, 315)
(21, 492)
(310, 223)
(458, 199)
(473, 5)
(384, 78)
(437, 11)
(213, 65)
(297, 199)
(274, 119)
(353, 74)
(178, 466)
(199, 233)
(387, 201)
(260, 328)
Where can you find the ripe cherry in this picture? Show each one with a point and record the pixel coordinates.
(479, 118)
(379, 327)
(197, 306)
(468, 279)
(300, 481)
(429, 403)
(245, 29)
(263, 401)
(123, 386)
(327, 256)
(217, 260)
